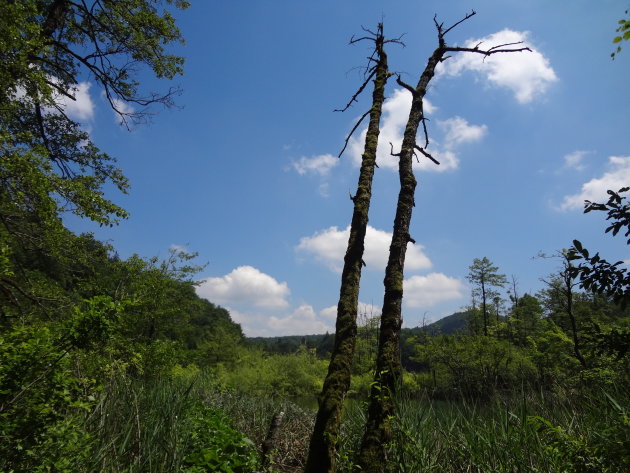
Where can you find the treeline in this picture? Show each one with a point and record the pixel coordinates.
(530, 344)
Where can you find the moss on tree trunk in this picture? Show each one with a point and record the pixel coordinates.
(378, 431)
(322, 451)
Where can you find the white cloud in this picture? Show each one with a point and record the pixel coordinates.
(329, 313)
(458, 131)
(526, 74)
(574, 160)
(320, 165)
(302, 321)
(82, 107)
(429, 290)
(395, 115)
(122, 107)
(329, 247)
(595, 189)
(245, 285)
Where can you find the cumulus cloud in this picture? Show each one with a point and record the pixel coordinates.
(594, 190)
(329, 246)
(318, 165)
(394, 119)
(429, 290)
(526, 74)
(301, 321)
(574, 160)
(245, 285)
(458, 131)
(395, 114)
(82, 107)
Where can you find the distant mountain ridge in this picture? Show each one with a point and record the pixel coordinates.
(323, 343)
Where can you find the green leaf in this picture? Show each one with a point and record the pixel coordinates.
(617, 39)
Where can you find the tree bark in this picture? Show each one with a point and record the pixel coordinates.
(323, 444)
(378, 432)
(381, 408)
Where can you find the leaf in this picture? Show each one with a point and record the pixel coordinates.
(617, 39)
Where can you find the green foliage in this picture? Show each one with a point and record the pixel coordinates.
(41, 402)
(216, 446)
(299, 374)
(48, 164)
(601, 445)
(595, 273)
(624, 33)
(473, 366)
(485, 278)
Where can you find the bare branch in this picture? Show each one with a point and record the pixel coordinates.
(362, 38)
(490, 51)
(357, 93)
(345, 145)
(392, 150)
(424, 127)
(422, 150)
(469, 15)
(400, 82)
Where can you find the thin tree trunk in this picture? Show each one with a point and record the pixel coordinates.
(485, 309)
(568, 281)
(372, 456)
(378, 431)
(323, 444)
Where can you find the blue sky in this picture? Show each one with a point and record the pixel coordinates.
(245, 172)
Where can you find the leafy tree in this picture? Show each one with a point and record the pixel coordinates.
(49, 164)
(474, 366)
(483, 274)
(560, 298)
(595, 273)
(525, 318)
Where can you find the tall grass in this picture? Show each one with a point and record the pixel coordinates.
(533, 433)
(139, 427)
(164, 425)
(154, 428)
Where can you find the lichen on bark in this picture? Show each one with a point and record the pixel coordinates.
(323, 445)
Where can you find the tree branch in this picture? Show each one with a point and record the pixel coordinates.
(426, 154)
(345, 145)
(357, 93)
(400, 82)
(468, 15)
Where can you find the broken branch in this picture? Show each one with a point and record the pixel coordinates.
(428, 155)
(345, 144)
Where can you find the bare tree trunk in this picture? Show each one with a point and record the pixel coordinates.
(322, 450)
(378, 431)
(381, 409)
(568, 286)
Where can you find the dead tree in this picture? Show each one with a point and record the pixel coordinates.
(378, 432)
(322, 450)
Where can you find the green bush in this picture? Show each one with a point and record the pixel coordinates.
(215, 446)
(42, 404)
